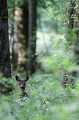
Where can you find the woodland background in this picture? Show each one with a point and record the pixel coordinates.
(40, 38)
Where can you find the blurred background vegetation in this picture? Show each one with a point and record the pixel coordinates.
(44, 41)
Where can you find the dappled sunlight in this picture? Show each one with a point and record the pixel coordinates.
(47, 41)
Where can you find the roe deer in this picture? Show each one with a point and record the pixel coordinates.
(22, 84)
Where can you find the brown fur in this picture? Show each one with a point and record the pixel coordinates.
(22, 84)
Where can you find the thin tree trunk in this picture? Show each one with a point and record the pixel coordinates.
(15, 48)
(71, 11)
(5, 67)
(14, 39)
(76, 27)
(32, 37)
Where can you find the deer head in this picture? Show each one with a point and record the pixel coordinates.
(22, 84)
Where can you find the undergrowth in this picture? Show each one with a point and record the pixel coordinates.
(47, 99)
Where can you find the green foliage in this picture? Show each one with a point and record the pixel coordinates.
(6, 99)
(52, 15)
(47, 99)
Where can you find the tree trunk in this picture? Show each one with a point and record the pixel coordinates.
(76, 27)
(5, 67)
(71, 11)
(14, 42)
(21, 20)
(31, 55)
(73, 25)
(15, 47)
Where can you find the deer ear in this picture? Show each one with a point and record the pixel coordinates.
(27, 77)
(17, 78)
